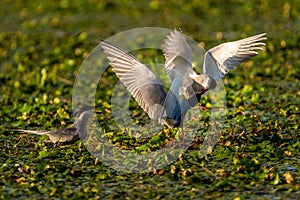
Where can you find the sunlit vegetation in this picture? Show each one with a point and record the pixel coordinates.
(42, 45)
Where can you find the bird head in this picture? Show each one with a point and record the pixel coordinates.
(82, 120)
(81, 110)
(206, 81)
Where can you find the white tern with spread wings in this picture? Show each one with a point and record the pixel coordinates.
(187, 86)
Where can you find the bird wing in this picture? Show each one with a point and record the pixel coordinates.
(139, 80)
(66, 135)
(36, 132)
(178, 55)
(221, 59)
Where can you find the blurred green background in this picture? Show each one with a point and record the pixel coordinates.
(42, 45)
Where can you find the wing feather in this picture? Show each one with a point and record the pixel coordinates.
(224, 57)
(139, 80)
(178, 55)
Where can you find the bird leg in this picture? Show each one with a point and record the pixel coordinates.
(182, 135)
(171, 142)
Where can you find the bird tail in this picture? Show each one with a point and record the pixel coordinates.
(38, 132)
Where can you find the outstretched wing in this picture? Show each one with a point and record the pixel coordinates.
(178, 55)
(139, 80)
(224, 57)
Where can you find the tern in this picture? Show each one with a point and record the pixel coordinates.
(187, 86)
(67, 135)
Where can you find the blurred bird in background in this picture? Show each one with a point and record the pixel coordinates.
(71, 134)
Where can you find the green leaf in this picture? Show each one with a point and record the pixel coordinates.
(26, 108)
(155, 139)
(62, 113)
(44, 138)
(247, 89)
(276, 181)
(144, 147)
(43, 154)
(43, 77)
